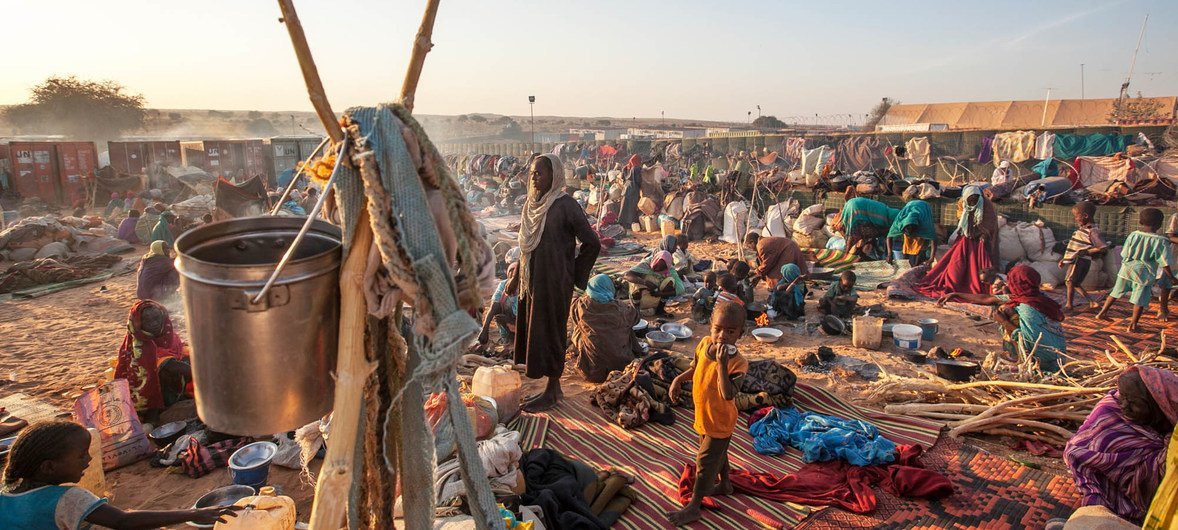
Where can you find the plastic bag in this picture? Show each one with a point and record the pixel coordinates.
(109, 409)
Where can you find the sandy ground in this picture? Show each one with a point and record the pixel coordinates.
(55, 345)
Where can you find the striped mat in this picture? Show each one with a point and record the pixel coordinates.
(836, 261)
(532, 430)
(655, 454)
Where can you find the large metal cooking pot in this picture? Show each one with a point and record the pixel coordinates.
(261, 368)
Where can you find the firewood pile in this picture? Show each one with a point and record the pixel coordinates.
(1013, 398)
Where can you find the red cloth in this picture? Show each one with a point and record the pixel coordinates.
(141, 355)
(634, 161)
(834, 483)
(959, 271)
(1024, 289)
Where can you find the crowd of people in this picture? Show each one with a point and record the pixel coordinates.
(572, 212)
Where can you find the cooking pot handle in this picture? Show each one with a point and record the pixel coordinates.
(276, 296)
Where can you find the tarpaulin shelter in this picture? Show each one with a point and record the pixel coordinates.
(1029, 114)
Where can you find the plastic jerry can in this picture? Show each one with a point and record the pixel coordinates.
(264, 511)
(501, 384)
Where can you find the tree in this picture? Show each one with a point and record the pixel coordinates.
(261, 127)
(79, 108)
(512, 130)
(603, 123)
(477, 118)
(768, 122)
(878, 112)
(254, 115)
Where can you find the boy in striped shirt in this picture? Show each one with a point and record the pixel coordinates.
(1145, 253)
(1082, 247)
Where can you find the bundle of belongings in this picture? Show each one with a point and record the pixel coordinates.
(807, 228)
(49, 249)
(844, 459)
(640, 393)
(245, 200)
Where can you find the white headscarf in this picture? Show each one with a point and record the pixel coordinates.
(535, 213)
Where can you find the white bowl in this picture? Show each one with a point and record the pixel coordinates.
(678, 330)
(769, 335)
(641, 325)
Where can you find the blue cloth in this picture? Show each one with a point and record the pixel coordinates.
(512, 301)
(48, 508)
(1035, 326)
(1069, 146)
(293, 207)
(789, 273)
(285, 177)
(1054, 186)
(601, 289)
(821, 438)
(1047, 168)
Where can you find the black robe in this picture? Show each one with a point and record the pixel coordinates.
(630, 196)
(541, 333)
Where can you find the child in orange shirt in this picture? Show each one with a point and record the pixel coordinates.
(715, 375)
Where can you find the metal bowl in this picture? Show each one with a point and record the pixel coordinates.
(832, 325)
(769, 335)
(641, 325)
(167, 433)
(223, 496)
(915, 356)
(660, 339)
(955, 370)
(253, 456)
(679, 331)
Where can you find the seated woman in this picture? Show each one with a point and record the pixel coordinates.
(653, 282)
(153, 360)
(1118, 455)
(788, 297)
(127, 228)
(157, 277)
(165, 228)
(603, 337)
(503, 311)
(915, 232)
(1028, 316)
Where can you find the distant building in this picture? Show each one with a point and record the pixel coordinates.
(1015, 115)
(598, 134)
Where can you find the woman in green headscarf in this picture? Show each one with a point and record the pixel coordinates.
(163, 229)
(915, 230)
(788, 297)
(863, 222)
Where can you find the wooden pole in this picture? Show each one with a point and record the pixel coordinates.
(310, 72)
(352, 369)
(422, 44)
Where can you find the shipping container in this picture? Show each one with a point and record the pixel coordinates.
(76, 162)
(232, 159)
(34, 170)
(133, 158)
(287, 151)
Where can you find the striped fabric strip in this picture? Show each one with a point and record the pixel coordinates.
(532, 430)
(655, 455)
(836, 260)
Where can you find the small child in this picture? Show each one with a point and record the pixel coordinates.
(996, 282)
(741, 270)
(705, 298)
(1082, 247)
(715, 376)
(47, 455)
(841, 299)
(788, 298)
(1145, 253)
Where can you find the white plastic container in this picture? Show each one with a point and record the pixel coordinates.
(264, 511)
(501, 384)
(906, 336)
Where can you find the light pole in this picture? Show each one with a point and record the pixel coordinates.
(531, 105)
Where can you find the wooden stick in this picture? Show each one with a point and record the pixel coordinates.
(352, 369)
(1123, 348)
(422, 44)
(310, 72)
(1019, 384)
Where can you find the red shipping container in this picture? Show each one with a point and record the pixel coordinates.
(76, 162)
(34, 170)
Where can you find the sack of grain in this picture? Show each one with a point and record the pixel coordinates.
(1009, 246)
(1049, 272)
(1037, 240)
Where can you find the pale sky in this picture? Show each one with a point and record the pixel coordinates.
(712, 60)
